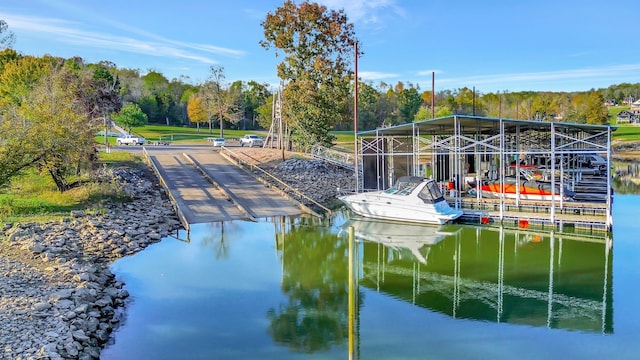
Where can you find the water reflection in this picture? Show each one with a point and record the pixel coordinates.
(219, 236)
(490, 274)
(401, 238)
(225, 295)
(314, 281)
(627, 177)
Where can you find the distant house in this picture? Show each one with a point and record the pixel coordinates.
(610, 102)
(629, 100)
(626, 117)
(635, 108)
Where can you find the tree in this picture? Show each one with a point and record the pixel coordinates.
(99, 91)
(129, 116)
(317, 44)
(7, 38)
(54, 118)
(20, 76)
(423, 114)
(265, 113)
(575, 111)
(254, 97)
(197, 111)
(410, 101)
(235, 99)
(16, 151)
(368, 104)
(221, 100)
(596, 112)
(7, 56)
(51, 109)
(155, 101)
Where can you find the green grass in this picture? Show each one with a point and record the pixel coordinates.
(180, 134)
(343, 137)
(627, 133)
(33, 197)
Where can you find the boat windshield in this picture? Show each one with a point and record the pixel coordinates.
(402, 187)
(431, 192)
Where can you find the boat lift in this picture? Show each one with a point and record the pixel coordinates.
(458, 148)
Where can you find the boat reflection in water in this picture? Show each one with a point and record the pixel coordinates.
(399, 237)
(561, 281)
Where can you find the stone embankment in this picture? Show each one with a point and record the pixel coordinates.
(626, 150)
(316, 179)
(58, 298)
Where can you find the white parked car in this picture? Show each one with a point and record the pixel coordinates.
(251, 140)
(218, 142)
(130, 140)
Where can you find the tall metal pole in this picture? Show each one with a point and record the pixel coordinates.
(355, 114)
(280, 132)
(474, 101)
(433, 94)
(352, 296)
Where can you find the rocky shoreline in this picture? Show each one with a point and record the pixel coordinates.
(59, 298)
(320, 180)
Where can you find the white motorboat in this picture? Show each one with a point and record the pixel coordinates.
(397, 236)
(411, 199)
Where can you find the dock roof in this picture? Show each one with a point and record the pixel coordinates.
(470, 125)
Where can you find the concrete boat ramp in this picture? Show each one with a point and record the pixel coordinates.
(206, 187)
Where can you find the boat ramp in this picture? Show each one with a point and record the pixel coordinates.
(206, 186)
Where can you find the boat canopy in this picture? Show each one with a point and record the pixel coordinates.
(405, 185)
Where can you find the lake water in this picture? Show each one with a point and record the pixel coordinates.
(279, 289)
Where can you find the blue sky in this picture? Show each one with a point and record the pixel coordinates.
(542, 45)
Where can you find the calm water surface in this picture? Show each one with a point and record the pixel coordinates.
(279, 289)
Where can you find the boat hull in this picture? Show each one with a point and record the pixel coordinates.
(381, 206)
(525, 192)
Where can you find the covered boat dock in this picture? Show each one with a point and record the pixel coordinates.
(464, 153)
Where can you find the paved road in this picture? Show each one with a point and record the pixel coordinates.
(240, 196)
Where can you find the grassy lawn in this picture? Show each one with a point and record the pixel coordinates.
(627, 133)
(180, 134)
(33, 197)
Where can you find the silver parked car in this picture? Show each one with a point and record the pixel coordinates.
(218, 142)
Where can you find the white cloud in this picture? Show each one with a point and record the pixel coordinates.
(365, 11)
(592, 72)
(429, 72)
(375, 75)
(71, 33)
